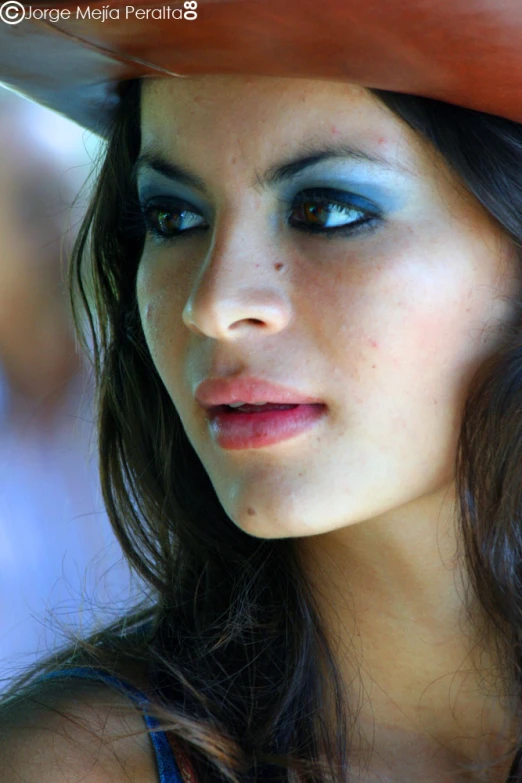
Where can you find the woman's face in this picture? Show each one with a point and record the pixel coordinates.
(385, 316)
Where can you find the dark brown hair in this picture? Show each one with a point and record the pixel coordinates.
(230, 636)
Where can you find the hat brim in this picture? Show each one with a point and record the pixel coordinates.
(464, 52)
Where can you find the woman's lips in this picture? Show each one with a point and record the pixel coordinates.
(222, 391)
(248, 408)
(235, 430)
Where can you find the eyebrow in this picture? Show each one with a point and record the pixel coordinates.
(308, 155)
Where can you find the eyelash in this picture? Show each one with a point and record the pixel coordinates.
(138, 220)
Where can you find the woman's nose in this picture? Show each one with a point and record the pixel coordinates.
(241, 288)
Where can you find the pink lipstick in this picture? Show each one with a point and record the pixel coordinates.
(237, 428)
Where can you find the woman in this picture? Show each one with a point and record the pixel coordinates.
(334, 577)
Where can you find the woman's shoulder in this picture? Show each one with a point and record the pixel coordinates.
(63, 731)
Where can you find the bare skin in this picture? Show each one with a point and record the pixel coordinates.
(42, 167)
(387, 327)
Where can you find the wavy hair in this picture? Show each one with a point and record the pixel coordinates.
(231, 638)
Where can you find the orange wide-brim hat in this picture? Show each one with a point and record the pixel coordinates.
(75, 57)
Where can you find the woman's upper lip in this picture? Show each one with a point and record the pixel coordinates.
(223, 391)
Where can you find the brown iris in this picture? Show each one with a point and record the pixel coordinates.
(169, 221)
(314, 213)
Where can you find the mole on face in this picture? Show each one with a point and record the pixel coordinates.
(251, 512)
(278, 266)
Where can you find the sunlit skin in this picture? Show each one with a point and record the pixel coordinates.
(42, 166)
(386, 326)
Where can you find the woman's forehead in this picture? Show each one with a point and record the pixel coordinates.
(182, 99)
(180, 111)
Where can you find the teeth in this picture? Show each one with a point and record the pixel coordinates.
(238, 404)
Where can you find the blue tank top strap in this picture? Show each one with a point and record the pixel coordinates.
(168, 769)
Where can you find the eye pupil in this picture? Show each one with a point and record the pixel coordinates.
(313, 211)
(166, 220)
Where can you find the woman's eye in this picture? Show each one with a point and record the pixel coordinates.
(318, 210)
(329, 211)
(169, 220)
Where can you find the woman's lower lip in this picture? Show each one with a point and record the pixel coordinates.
(255, 430)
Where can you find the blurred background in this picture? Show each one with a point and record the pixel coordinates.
(60, 564)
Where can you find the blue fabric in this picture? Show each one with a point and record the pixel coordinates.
(168, 769)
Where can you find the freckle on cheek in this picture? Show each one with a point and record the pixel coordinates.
(251, 512)
(278, 266)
